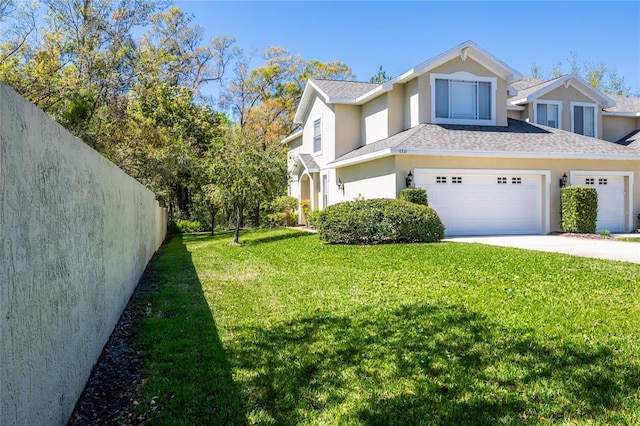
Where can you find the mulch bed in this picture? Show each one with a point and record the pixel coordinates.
(112, 392)
(588, 236)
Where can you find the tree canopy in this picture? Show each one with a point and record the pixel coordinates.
(128, 77)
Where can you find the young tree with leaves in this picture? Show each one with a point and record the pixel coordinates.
(246, 172)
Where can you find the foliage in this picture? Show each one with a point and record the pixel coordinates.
(246, 171)
(305, 206)
(379, 220)
(414, 195)
(380, 77)
(429, 334)
(579, 209)
(605, 232)
(282, 211)
(313, 218)
(190, 226)
(265, 99)
(598, 74)
(287, 218)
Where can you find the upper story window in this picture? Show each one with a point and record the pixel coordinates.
(548, 113)
(463, 98)
(317, 136)
(583, 119)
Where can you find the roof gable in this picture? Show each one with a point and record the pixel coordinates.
(358, 93)
(532, 93)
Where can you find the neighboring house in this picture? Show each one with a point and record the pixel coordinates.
(490, 147)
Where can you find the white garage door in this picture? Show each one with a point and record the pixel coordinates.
(485, 204)
(610, 189)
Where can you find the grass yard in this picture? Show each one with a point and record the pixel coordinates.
(285, 330)
(629, 239)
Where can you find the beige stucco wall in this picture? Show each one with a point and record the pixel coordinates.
(615, 128)
(515, 114)
(77, 233)
(348, 129)
(375, 119)
(395, 101)
(411, 103)
(557, 168)
(319, 109)
(567, 95)
(455, 65)
(374, 179)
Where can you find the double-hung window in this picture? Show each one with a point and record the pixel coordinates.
(317, 136)
(548, 114)
(583, 119)
(463, 98)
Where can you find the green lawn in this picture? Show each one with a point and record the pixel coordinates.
(285, 330)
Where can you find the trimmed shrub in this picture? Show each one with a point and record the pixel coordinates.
(414, 195)
(379, 220)
(579, 209)
(287, 218)
(313, 216)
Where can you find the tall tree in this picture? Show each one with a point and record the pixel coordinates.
(265, 98)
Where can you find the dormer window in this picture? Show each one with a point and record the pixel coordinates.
(583, 119)
(463, 98)
(548, 113)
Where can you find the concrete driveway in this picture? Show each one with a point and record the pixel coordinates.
(585, 247)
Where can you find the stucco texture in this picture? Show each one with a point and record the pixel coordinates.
(77, 233)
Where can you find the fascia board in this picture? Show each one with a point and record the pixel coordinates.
(500, 154)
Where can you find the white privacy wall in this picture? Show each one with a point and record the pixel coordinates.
(76, 235)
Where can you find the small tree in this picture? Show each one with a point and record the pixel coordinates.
(247, 172)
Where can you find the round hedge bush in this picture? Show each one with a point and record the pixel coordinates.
(380, 220)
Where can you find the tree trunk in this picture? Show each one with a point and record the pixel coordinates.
(214, 212)
(236, 237)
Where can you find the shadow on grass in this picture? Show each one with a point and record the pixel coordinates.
(425, 364)
(189, 378)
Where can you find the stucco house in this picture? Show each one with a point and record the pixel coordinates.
(491, 147)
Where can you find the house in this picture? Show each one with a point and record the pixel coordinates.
(491, 147)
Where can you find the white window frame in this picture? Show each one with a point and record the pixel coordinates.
(463, 76)
(595, 116)
(313, 136)
(535, 111)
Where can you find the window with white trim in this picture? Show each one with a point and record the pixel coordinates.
(548, 114)
(317, 136)
(502, 180)
(441, 179)
(463, 98)
(583, 119)
(456, 179)
(589, 181)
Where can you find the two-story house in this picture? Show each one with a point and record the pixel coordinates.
(492, 148)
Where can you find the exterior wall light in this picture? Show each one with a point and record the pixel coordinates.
(563, 180)
(409, 179)
(340, 185)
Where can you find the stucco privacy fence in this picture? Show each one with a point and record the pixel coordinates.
(77, 234)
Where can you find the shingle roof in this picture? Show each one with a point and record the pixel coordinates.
(308, 162)
(344, 89)
(624, 104)
(525, 83)
(632, 140)
(523, 93)
(518, 138)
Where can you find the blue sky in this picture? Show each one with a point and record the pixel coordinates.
(400, 35)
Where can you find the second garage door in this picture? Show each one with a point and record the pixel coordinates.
(485, 203)
(611, 214)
